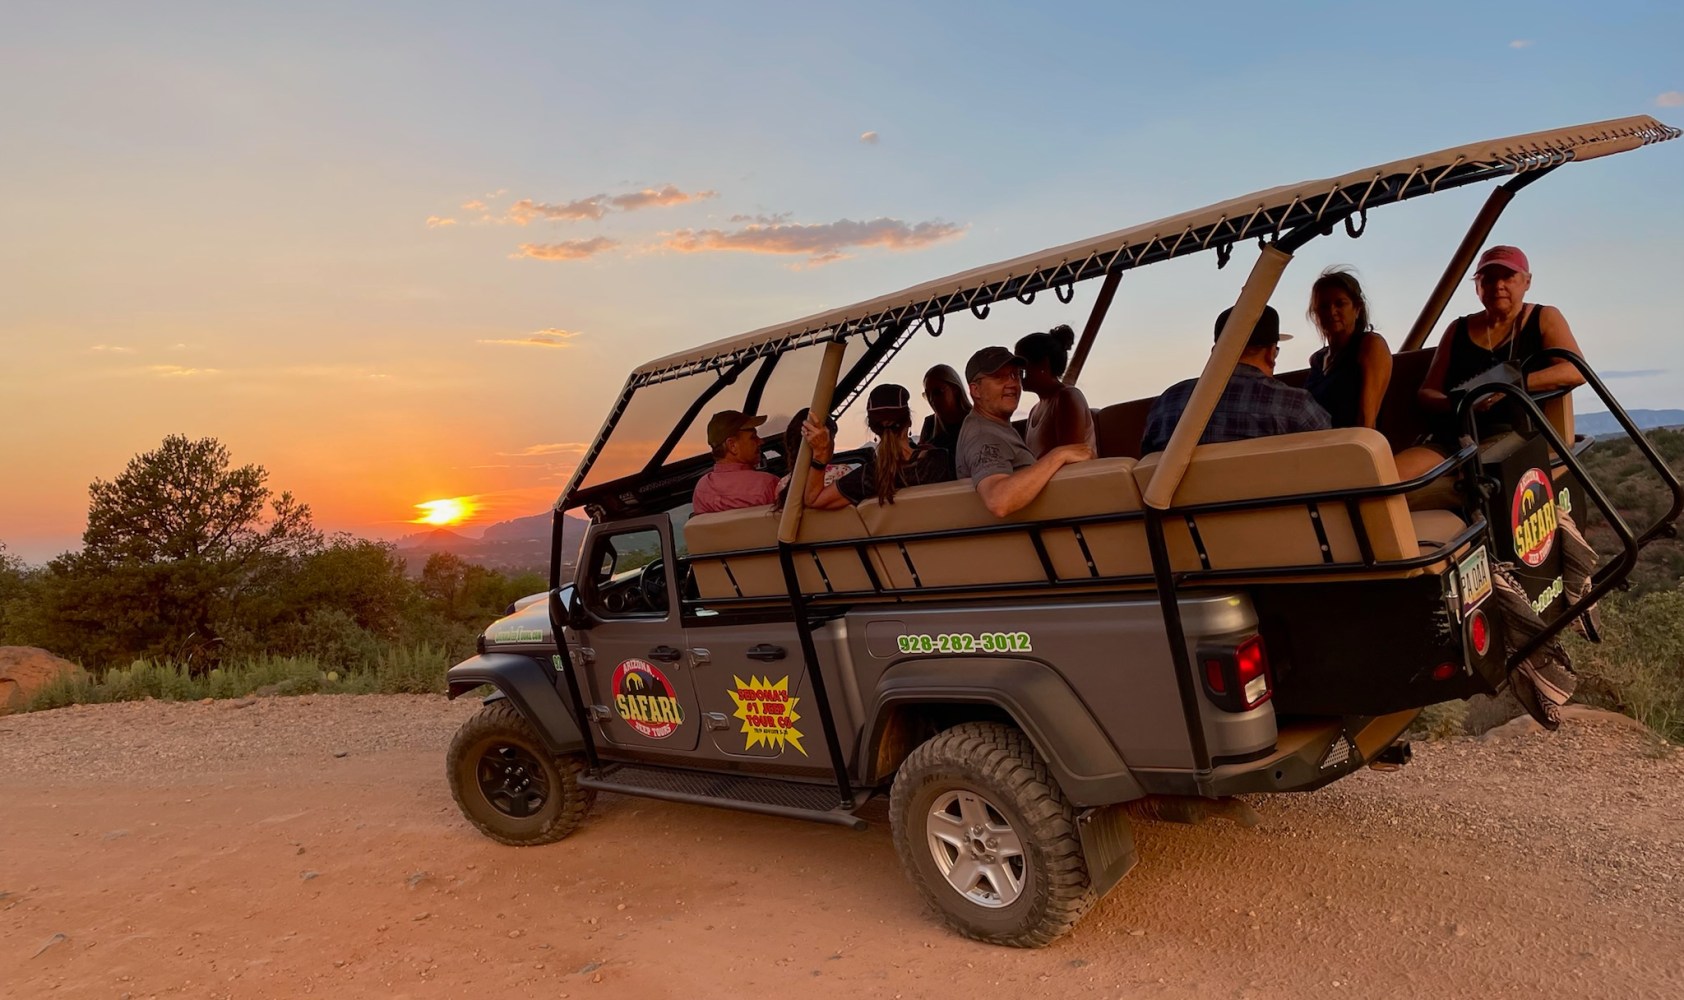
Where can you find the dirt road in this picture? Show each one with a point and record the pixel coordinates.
(228, 850)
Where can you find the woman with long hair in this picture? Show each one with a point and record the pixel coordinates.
(896, 464)
(1062, 415)
(1349, 375)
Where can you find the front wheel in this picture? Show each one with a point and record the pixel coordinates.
(508, 785)
(987, 836)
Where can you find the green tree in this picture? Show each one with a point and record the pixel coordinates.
(14, 585)
(177, 543)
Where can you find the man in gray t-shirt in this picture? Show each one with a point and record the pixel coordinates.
(1007, 475)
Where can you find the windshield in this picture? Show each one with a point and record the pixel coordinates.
(656, 409)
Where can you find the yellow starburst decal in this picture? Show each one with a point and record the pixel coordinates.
(768, 712)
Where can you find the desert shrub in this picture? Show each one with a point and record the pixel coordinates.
(1638, 669)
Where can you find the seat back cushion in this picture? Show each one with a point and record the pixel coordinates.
(1076, 552)
(1286, 536)
(820, 571)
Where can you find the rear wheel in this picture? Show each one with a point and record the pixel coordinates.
(508, 785)
(987, 836)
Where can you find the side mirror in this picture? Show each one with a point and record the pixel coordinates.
(576, 619)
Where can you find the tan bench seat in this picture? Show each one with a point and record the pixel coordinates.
(1098, 487)
(1311, 462)
(820, 571)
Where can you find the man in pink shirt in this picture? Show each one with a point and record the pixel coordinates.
(734, 481)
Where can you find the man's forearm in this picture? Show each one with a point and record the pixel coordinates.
(1010, 493)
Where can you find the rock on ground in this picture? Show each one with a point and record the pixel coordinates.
(25, 670)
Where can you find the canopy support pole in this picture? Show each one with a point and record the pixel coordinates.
(1259, 285)
(1463, 258)
(1090, 332)
(795, 505)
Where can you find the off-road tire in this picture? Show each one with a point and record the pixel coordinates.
(499, 729)
(997, 762)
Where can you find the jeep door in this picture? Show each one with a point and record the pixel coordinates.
(636, 664)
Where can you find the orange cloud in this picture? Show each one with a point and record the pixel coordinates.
(177, 371)
(869, 138)
(111, 349)
(553, 337)
(1670, 99)
(474, 205)
(821, 243)
(567, 249)
(436, 221)
(599, 205)
(525, 210)
(658, 198)
(533, 451)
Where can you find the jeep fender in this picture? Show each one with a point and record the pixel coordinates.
(1039, 701)
(527, 686)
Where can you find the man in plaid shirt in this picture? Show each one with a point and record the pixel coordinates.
(1254, 404)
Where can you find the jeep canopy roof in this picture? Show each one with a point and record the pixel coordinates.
(660, 413)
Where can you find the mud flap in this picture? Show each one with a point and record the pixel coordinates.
(1107, 845)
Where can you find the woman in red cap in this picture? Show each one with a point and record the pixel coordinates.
(1509, 330)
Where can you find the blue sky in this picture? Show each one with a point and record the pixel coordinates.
(216, 215)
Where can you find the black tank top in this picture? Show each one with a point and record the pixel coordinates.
(1339, 389)
(1468, 359)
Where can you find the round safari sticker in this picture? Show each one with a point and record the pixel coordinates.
(1534, 517)
(645, 699)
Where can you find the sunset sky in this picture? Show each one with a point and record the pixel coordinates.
(400, 252)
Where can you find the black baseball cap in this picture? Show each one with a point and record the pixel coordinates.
(1267, 332)
(990, 360)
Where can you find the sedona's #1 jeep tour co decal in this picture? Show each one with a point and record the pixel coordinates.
(1533, 518)
(645, 699)
(768, 712)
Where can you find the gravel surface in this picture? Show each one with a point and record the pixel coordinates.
(227, 849)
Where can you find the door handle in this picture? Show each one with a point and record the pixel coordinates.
(766, 653)
(665, 653)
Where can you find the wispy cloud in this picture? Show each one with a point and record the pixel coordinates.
(869, 138)
(437, 221)
(567, 249)
(1522, 43)
(525, 210)
(110, 349)
(1670, 99)
(659, 197)
(1633, 373)
(178, 371)
(474, 205)
(535, 450)
(553, 337)
(598, 205)
(820, 243)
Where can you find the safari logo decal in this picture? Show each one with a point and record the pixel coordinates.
(645, 699)
(768, 712)
(1534, 518)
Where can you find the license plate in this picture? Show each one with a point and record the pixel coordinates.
(1474, 575)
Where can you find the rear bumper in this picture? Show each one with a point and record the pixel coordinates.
(1307, 756)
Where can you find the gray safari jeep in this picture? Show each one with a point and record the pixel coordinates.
(1169, 629)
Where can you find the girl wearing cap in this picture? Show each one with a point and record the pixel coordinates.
(896, 465)
(1349, 375)
(1509, 330)
(1062, 416)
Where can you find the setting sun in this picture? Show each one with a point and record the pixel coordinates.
(445, 512)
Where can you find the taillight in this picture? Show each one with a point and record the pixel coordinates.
(1236, 677)
(1479, 633)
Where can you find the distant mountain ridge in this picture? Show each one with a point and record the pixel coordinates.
(1602, 422)
(522, 543)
